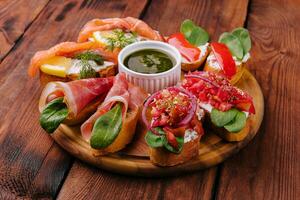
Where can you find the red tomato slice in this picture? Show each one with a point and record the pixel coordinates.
(224, 58)
(171, 139)
(187, 50)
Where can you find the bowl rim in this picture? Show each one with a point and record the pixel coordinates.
(157, 46)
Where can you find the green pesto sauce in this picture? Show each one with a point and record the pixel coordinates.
(149, 61)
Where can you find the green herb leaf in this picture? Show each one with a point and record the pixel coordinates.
(120, 39)
(243, 35)
(220, 118)
(89, 55)
(233, 43)
(180, 141)
(187, 27)
(87, 70)
(237, 124)
(107, 128)
(153, 140)
(193, 33)
(53, 115)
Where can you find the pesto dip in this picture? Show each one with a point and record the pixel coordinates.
(149, 61)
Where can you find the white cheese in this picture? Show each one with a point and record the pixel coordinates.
(76, 66)
(189, 135)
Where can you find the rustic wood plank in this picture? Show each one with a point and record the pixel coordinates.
(269, 168)
(32, 165)
(85, 182)
(15, 17)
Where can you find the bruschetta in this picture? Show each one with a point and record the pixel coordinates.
(229, 56)
(72, 102)
(192, 43)
(71, 61)
(227, 107)
(113, 125)
(174, 127)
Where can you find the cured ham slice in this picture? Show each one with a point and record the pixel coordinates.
(65, 49)
(118, 93)
(128, 23)
(77, 94)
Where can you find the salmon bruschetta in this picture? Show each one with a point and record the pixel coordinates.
(71, 61)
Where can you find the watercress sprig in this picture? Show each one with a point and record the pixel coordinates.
(193, 33)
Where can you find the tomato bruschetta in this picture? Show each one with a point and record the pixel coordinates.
(227, 107)
(174, 128)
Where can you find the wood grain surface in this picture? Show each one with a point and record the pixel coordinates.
(269, 168)
(33, 166)
(15, 17)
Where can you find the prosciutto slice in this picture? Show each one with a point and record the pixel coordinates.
(118, 93)
(128, 23)
(77, 94)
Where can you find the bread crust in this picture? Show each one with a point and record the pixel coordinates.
(192, 66)
(164, 158)
(229, 136)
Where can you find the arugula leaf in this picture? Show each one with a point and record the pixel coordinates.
(89, 55)
(180, 141)
(153, 140)
(107, 128)
(53, 115)
(220, 118)
(243, 35)
(233, 43)
(237, 124)
(193, 33)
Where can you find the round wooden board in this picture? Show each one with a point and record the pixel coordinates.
(134, 160)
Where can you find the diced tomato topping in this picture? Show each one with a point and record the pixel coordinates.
(169, 107)
(224, 58)
(171, 138)
(187, 50)
(221, 95)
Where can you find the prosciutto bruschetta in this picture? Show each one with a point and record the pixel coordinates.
(227, 107)
(113, 34)
(70, 61)
(174, 126)
(192, 43)
(229, 55)
(112, 126)
(71, 103)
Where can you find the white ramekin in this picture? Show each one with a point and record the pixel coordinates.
(151, 82)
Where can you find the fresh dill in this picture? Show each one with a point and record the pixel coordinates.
(87, 70)
(120, 39)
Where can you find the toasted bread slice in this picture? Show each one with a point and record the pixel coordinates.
(162, 157)
(192, 66)
(125, 135)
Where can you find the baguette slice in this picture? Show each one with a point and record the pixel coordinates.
(192, 66)
(239, 73)
(125, 135)
(229, 136)
(162, 157)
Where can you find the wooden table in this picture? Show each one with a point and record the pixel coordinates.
(33, 166)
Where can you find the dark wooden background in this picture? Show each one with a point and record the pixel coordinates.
(33, 166)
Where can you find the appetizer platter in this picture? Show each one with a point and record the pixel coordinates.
(129, 100)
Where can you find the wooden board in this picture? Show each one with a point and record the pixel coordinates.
(135, 160)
